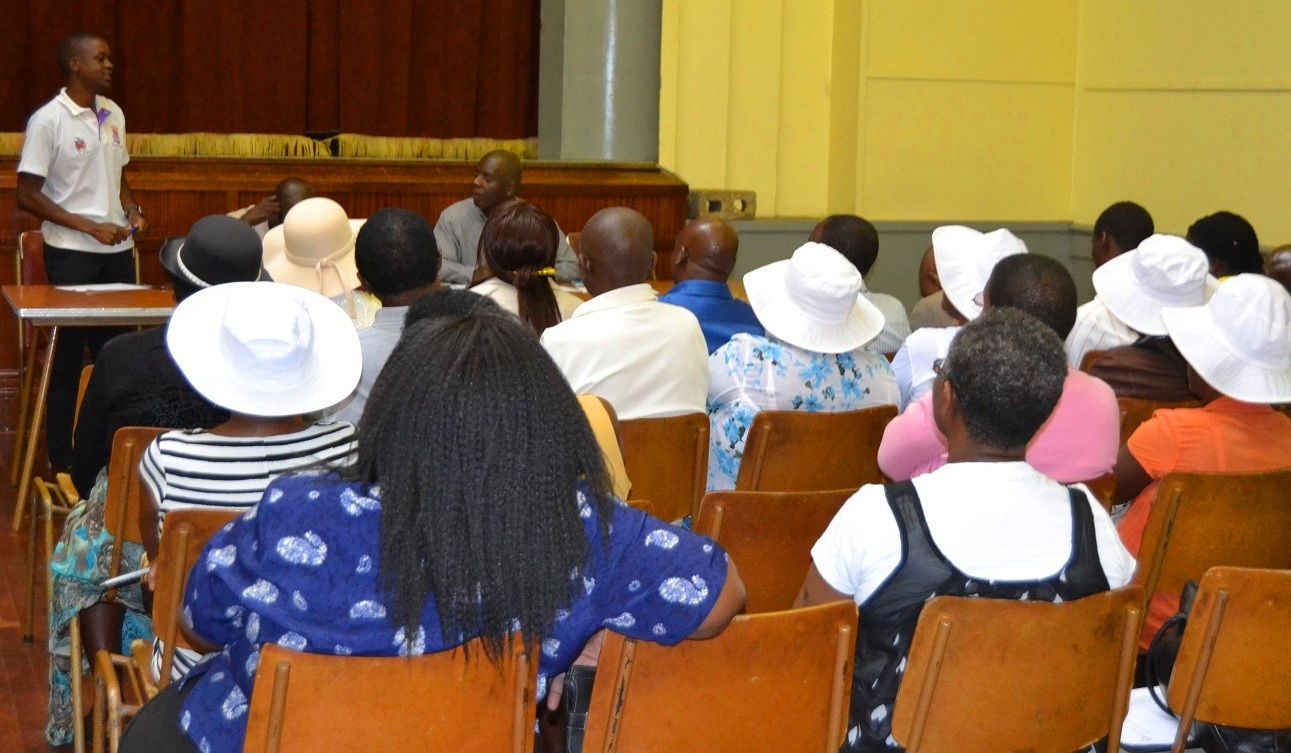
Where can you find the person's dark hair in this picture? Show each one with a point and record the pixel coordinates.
(395, 251)
(1127, 223)
(1038, 285)
(479, 447)
(851, 236)
(1229, 239)
(444, 302)
(519, 243)
(1007, 371)
(70, 47)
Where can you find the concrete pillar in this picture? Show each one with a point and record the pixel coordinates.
(598, 80)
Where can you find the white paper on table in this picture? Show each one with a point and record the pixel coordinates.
(1147, 727)
(102, 287)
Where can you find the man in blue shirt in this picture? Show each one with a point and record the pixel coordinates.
(702, 260)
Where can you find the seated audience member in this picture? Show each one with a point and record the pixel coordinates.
(457, 232)
(313, 249)
(1229, 242)
(270, 354)
(813, 357)
(986, 524)
(964, 258)
(518, 249)
(702, 260)
(1165, 270)
(134, 383)
(1238, 351)
(418, 560)
(267, 213)
(397, 261)
(1079, 441)
(646, 358)
(1278, 266)
(857, 240)
(929, 310)
(1119, 229)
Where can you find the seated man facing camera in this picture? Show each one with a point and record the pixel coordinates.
(986, 524)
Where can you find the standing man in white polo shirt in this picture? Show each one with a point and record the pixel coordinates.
(70, 176)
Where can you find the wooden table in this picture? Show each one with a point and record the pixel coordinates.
(49, 308)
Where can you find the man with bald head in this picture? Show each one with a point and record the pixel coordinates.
(646, 358)
(702, 261)
(457, 233)
(1278, 266)
(269, 212)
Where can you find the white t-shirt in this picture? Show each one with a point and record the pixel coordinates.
(896, 324)
(505, 295)
(81, 161)
(648, 359)
(993, 521)
(913, 362)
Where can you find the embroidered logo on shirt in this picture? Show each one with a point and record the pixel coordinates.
(116, 136)
(79, 143)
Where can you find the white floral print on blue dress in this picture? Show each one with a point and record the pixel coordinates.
(753, 373)
(316, 589)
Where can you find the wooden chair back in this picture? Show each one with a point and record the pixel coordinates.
(1135, 410)
(770, 682)
(30, 261)
(991, 675)
(1200, 520)
(1234, 665)
(125, 490)
(770, 535)
(453, 700)
(186, 533)
(667, 460)
(1087, 360)
(796, 451)
(1103, 489)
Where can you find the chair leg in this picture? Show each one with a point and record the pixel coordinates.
(24, 404)
(39, 401)
(100, 711)
(29, 614)
(78, 698)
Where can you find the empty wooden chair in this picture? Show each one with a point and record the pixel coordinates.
(1134, 411)
(1234, 664)
(795, 451)
(770, 682)
(770, 535)
(667, 460)
(1201, 520)
(454, 700)
(992, 675)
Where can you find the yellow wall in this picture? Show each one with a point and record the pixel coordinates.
(985, 110)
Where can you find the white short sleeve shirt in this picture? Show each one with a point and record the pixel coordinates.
(913, 362)
(80, 152)
(1096, 328)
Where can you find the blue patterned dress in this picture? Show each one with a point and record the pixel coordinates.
(300, 570)
(753, 373)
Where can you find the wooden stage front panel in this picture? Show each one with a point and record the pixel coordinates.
(175, 192)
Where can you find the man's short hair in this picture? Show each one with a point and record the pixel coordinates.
(853, 237)
(395, 251)
(1229, 238)
(1127, 223)
(1007, 371)
(71, 47)
(1038, 285)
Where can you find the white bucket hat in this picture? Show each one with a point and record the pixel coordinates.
(812, 300)
(313, 248)
(265, 349)
(1239, 342)
(1164, 271)
(965, 259)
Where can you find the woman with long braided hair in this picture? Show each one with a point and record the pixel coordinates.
(478, 506)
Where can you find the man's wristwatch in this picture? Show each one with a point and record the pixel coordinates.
(137, 210)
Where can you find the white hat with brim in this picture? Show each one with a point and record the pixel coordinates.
(265, 349)
(313, 248)
(812, 300)
(965, 259)
(1239, 342)
(1165, 271)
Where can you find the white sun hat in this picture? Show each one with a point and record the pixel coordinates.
(1239, 342)
(265, 349)
(965, 258)
(1164, 271)
(811, 300)
(313, 248)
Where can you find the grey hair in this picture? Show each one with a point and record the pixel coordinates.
(1007, 370)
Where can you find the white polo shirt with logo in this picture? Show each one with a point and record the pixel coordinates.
(80, 153)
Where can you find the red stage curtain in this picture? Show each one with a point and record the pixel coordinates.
(439, 68)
